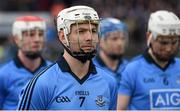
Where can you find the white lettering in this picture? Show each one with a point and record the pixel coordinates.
(160, 100)
(175, 99)
(167, 98)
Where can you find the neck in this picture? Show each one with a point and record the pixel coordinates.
(112, 64)
(160, 63)
(32, 65)
(78, 68)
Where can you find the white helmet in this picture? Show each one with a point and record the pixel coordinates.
(75, 14)
(26, 23)
(164, 23)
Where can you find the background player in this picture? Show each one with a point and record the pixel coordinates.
(113, 39)
(151, 81)
(29, 36)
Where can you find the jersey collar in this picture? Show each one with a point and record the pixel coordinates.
(101, 62)
(19, 64)
(149, 59)
(63, 65)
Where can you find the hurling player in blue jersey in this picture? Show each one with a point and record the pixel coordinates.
(114, 37)
(28, 35)
(73, 82)
(152, 80)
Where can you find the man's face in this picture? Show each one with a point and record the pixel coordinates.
(113, 43)
(165, 47)
(32, 42)
(83, 37)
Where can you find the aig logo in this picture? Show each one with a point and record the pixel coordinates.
(165, 99)
(62, 99)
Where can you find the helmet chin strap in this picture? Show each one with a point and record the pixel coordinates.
(33, 55)
(81, 56)
(115, 56)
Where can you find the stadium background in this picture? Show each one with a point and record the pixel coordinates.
(134, 13)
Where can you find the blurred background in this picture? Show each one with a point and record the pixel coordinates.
(134, 13)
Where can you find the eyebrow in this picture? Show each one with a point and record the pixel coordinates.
(82, 28)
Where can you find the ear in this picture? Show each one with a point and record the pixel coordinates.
(149, 38)
(61, 36)
(148, 35)
(101, 42)
(16, 39)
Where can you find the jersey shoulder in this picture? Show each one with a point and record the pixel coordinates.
(45, 79)
(105, 76)
(177, 61)
(49, 72)
(125, 61)
(7, 67)
(48, 62)
(134, 62)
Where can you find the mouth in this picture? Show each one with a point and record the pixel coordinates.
(36, 47)
(87, 48)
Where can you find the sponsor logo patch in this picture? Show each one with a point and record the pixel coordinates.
(165, 99)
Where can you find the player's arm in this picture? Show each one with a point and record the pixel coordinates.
(125, 90)
(114, 96)
(123, 102)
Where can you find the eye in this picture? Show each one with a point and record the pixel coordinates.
(168, 42)
(81, 31)
(174, 42)
(26, 34)
(94, 30)
(41, 34)
(163, 42)
(32, 34)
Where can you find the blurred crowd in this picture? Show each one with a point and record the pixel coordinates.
(134, 13)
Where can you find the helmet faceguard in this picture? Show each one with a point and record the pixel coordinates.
(74, 16)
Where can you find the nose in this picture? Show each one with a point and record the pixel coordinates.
(88, 36)
(37, 37)
(119, 41)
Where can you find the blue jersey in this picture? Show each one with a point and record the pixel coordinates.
(149, 86)
(13, 76)
(58, 88)
(117, 73)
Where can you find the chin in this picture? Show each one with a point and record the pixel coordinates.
(164, 59)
